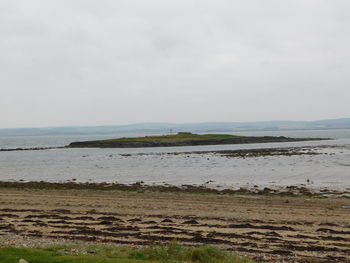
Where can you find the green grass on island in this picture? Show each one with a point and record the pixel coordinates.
(179, 137)
(172, 253)
(183, 139)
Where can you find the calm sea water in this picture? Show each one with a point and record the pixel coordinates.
(331, 169)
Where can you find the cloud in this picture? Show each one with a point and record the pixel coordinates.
(112, 62)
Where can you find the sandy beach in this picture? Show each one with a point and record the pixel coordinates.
(272, 228)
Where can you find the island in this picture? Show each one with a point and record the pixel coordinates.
(183, 139)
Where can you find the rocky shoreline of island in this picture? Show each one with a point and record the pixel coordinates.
(206, 188)
(179, 139)
(188, 140)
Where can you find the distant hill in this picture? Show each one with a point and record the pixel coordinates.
(185, 127)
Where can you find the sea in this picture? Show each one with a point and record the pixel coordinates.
(164, 165)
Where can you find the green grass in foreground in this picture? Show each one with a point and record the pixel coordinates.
(181, 136)
(172, 253)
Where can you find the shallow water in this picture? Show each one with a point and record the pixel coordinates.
(330, 169)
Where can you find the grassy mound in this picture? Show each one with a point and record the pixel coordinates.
(181, 136)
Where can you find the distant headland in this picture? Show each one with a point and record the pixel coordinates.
(183, 139)
(204, 127)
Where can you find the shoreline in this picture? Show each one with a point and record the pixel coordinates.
(264, 227)
(242, 141)
(148, 142)
(288, 191)
(293, 187)
(33, 148)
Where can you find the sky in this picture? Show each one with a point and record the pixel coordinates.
(110, 62)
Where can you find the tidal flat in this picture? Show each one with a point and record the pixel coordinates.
(265, 228)
(315, 166)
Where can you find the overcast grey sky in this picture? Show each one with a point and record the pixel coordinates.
(84, 62)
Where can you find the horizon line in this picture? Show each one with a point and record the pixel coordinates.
(169, 123)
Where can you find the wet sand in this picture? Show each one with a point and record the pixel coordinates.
(272, 228)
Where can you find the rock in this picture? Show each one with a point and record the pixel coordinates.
(190, 222)
(167, 220)
(22, 261)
